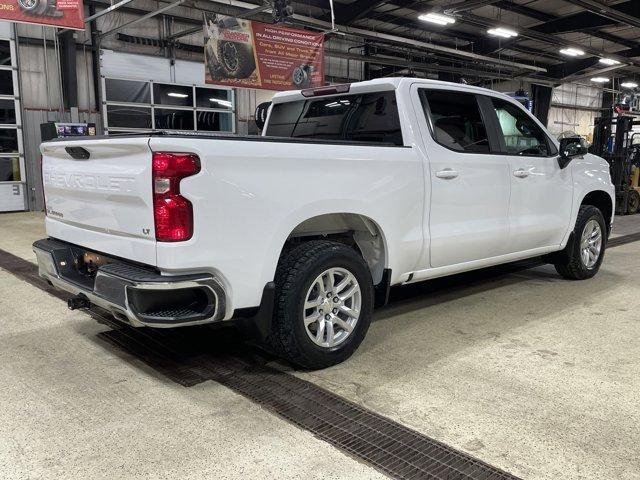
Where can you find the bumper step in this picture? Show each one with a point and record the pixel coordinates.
(139, 294)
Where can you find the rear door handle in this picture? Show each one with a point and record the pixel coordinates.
(521, 173)
(447, 174)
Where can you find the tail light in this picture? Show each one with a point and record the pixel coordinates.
(173, 214)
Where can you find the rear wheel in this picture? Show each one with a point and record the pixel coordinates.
(583, 257)
(324, 304)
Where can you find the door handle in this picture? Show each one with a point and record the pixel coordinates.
(521, 173)
(447, 174)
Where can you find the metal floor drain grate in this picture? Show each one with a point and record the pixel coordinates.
(386, 445)
(189, 357)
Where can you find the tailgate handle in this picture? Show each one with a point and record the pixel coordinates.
(78, 153)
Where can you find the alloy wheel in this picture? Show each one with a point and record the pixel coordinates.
(591, 244)
(332, 307)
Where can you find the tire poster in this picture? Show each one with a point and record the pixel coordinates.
(245, 53)
(54, 13)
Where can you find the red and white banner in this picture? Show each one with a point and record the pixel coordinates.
(244, 53)
(55, 13)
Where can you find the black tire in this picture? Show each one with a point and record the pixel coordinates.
(572, 266)
(236, 59)
(36, 7)
(296, 271)
(633, 202)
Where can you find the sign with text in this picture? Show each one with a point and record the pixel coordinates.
(244, 53)
(54, 13)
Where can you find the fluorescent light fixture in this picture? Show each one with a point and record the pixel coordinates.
(177, 95)
(572, 52)
(437, 18)
(224, 103)
(600, 79)
(609, 61)
(502, 32)
(629, 85)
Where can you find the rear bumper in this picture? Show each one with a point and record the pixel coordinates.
(137, 295)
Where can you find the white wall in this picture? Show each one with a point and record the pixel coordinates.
(5, 29)
(579, 120)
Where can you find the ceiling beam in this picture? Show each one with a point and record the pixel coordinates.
(571, 67)
(468, 5)
(376, 35)
(543, 37)
(184, 33)
(611, 12)
(576, 22)
(524, 10)
(347, 14)
(107, 10)
(595, 73)
(546, 17)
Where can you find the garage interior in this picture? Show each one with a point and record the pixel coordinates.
(504, 372)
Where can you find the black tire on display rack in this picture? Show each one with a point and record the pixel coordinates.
(236, 59)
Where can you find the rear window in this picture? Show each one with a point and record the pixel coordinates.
(456, 120)
(371, 118)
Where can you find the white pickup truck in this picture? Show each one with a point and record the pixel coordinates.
(301, 232)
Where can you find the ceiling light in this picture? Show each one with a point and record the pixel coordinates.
(629, 84)
(572, 52)
(177, 95)
(600, 79)
(502, 32)
(437, 18)
(609, 61)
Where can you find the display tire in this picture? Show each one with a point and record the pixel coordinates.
(236, 59)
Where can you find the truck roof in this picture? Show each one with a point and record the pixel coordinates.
(391, 83)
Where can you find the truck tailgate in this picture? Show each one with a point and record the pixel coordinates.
(104, 201)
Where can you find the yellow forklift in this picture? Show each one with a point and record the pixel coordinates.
(615, 141)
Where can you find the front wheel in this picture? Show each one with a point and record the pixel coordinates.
(583, 257)
(324, 304)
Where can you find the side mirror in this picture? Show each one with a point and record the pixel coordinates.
(261, 114)
(570, 148)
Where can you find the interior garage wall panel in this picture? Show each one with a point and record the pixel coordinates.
(139, 67)
(576, 94)
(40, 86)
(246, 102)
(563, 118)
(5, 29)
(571, 120)
(189, 72)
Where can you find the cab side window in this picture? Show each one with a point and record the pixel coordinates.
(456, 121)
(522, 135)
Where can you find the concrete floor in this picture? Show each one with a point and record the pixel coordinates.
(531, 373)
